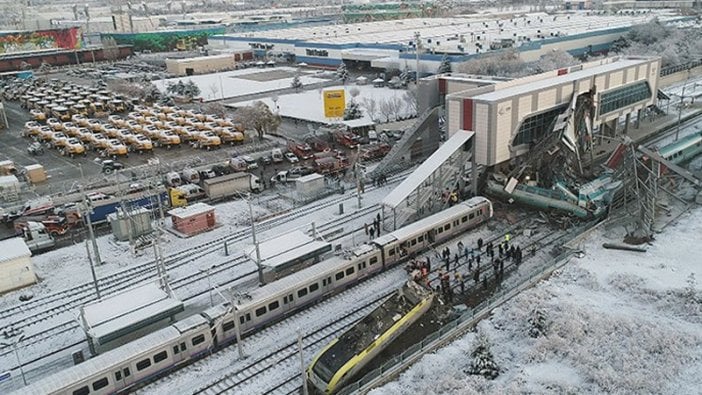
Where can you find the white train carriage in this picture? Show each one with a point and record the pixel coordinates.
(134, 362)
(419, 235)
(274, 301)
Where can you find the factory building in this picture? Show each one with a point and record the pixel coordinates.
(509, 117)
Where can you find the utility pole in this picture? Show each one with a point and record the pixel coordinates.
(302, 362)
(92, 270)
(209, 282)
(89, 223)
(416, 47)
(680, 107)
(18, 336)
(258, 250)
(357, 170)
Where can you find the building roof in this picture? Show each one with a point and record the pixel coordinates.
(274, 247)
(358, 123)
(425, 170)
(13, 248)
(194, 209)
(527, 87)
(117, 315)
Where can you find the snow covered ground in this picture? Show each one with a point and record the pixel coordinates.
(615, 322)
(309, 105)
(237, 83)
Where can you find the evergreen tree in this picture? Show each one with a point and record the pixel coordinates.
(190, 89)
(342, 73)
(353, 111)
(483, 362)
(538, 323)
(296, 83)
(445, 66)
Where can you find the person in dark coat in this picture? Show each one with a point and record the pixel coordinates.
(428, 265)
(372, 232)
(480, 244)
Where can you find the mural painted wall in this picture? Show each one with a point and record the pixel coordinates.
(161, 41)
(11, 42)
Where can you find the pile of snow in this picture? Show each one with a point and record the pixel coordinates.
(613, 322)
(380, 104)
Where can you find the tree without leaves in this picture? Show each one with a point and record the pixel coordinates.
(410, 100)
(215, 108)
(259, 118)
(371, 106)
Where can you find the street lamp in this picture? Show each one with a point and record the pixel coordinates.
(18, 336)
(209, 282)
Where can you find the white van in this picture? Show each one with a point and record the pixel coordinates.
(372, 137)
(277, 155)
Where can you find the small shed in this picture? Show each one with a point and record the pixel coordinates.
(378, 83)
(194, 219)
(310, 184)
(35, 173)
(137, 222)
(15, 265)
(361, 80)
(9, 184)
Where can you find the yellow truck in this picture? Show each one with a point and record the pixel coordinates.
(73, 147)
(168, 139)
(140, 143)
(115, 148)
(230, 135)
(37, 115)
(31, 128)
(208, 140)
(61, 113)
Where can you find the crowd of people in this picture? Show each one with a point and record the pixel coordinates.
(465, 263)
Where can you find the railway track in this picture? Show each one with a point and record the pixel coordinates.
(287, 352)
(83, 293)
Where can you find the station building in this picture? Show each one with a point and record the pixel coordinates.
(508, 117)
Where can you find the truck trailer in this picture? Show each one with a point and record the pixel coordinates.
(229, 185)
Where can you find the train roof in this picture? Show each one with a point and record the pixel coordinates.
(430, 221)
(299, 278)
(104, 362)
(680, 144)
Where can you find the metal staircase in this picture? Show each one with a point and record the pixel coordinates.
(403, 145)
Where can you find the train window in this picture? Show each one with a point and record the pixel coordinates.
(413, 242)
(325, 282)
(420, 239)
(391, 252)
(260, 311)
(350, 271)
(182, 348)
(362, 265)
(447, 226)
(480, 212)
(464, 219)
(471, 216)
(175, 350)
(339, 276)
(455, 223)
(143, 364)
(314, 287)
(302, 292)
(373, 260)
(438, 231)
(288, 299)
(82, 391)
(126, 372)
(118, 374)
(273, 305)
(198, 339)
(227, 326)
(162, 356)
(102, 383)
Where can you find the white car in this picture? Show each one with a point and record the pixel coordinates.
(291, 157)
(250, 162)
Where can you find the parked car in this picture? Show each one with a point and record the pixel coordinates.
(291, 157)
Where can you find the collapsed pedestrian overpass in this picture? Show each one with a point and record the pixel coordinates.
(420, 194)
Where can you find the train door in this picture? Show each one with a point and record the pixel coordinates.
(431, 236)
(179, 354)
(289, 302)
(123, 378)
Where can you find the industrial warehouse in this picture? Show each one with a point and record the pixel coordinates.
(410, 197)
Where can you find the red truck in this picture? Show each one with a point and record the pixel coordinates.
(317, 144)
(375, 151)
(330, 165)
(301, 150)
(346, 139)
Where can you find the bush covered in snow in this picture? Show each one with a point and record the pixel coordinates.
(483, 362)
(538, 323)
(674, 45)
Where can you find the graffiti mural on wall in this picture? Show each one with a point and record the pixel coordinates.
(161, 41)
(11, 42)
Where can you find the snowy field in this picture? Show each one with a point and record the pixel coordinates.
(615, 322)
(237, 83)
(309, 105)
